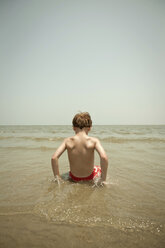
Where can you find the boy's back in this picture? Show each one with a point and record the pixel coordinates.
(80, 150)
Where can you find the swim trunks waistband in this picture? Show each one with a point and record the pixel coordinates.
(96, 173)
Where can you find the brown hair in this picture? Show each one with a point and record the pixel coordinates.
(82, 120)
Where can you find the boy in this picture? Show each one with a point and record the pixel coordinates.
(80, 150)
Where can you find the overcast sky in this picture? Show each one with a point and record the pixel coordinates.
(58, 57)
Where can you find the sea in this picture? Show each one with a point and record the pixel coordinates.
(38, 211)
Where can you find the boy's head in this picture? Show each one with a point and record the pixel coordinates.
(82, 120)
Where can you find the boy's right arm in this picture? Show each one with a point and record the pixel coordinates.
(55, 157)
(103, 160)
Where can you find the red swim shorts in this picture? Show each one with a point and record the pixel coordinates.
(96, 173)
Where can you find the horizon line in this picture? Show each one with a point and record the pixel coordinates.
(92, 125)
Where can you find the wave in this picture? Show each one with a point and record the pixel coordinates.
(106, 140)
(110, 139)
(130, 133)
(47, 139)
(125, 140)
(32, 138)
(42, 148)
(4, 138)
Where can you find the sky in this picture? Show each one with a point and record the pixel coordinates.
(59, 57)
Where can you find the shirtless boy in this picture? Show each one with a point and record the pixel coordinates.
(80, 149)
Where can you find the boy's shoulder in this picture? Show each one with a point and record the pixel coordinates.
(68, 139)
(72, 138)
(94, 139)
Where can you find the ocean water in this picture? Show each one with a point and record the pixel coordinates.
(128, 212)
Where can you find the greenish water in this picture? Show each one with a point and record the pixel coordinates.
(37, 212)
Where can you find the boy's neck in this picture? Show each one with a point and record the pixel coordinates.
(82, 131)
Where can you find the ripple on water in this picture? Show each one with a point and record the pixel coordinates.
(81, 204)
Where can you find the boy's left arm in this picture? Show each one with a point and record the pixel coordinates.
(55, 157)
